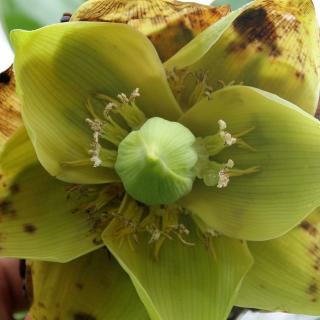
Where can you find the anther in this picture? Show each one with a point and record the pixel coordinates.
(135, 94)
(222, 125)
(107, 110)
(123, 98)
(224, 178)
(230, 164)
(228, 139)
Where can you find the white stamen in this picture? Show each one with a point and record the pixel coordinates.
(123, 98)
(109, 107)
(135, 94)
(96, 161)
(155, 233)
(230, 164)
(212, 233)
(95, 125)
(229, 140)
(224, 179)
(222, 125)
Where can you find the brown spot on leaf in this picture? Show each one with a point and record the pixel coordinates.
(29, 228)
(310, 228)
(83, 316)
(41, 305)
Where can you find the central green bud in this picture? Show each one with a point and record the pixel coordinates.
(156, 163)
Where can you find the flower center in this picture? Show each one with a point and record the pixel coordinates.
(156, 162)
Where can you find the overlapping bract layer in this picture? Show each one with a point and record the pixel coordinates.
(271, 45)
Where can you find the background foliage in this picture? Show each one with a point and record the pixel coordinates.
(32, 14)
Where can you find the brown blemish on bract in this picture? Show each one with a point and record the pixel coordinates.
(253, 25)
(14, 189)
(6, 209)
(10, 118)
(316, 265)
(317, 115)
(310, 228)
(313, 289)
(79, 286)
(2, 237)
(96, 241)
(83, 316)
(29, 228)
(29, 283)
(169, 24)
(314, 250)
(5, 76)
(300, 75)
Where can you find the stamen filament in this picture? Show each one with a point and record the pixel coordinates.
(113, 132)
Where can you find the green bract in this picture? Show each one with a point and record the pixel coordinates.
(277, 43)
(169, 172)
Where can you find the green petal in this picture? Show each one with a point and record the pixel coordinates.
(286, 275)
(266, 204)
(17, 155)
(186, 282)
(91, 287)
(59, 67)
(271, 45)
(38, 220)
